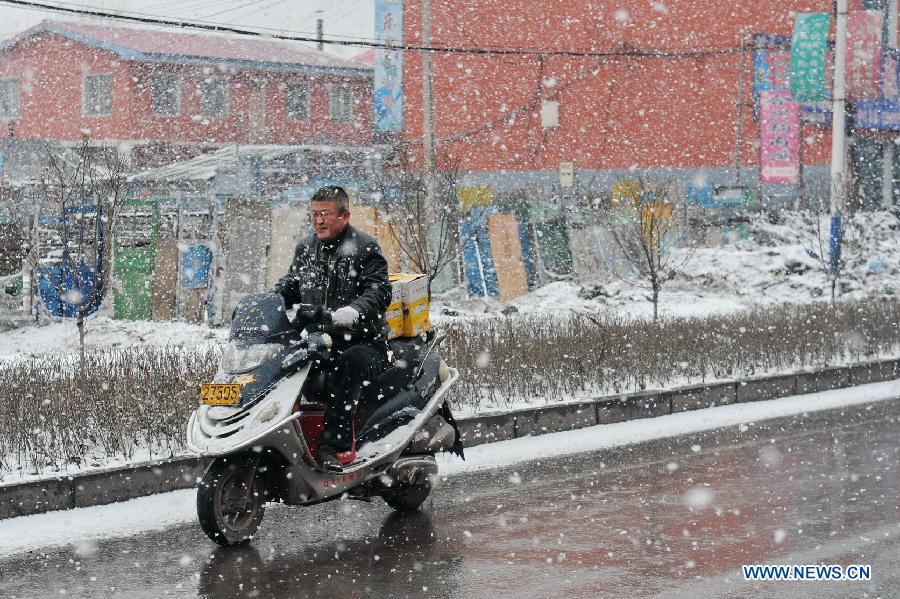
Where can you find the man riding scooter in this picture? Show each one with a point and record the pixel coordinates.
(342, 270)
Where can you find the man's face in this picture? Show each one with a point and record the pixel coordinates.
(325, 219)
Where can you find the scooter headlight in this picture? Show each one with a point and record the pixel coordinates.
(237, 359)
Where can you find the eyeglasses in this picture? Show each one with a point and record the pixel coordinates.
(320, 213)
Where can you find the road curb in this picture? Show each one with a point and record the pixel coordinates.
(160, 476)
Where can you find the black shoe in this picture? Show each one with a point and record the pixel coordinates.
(328, 459)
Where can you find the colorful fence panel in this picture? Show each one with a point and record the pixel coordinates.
(552, 240)
(503, 233)
(165, 279)
(478, 262)
(135, 257)
(528, 257)
(248, 234)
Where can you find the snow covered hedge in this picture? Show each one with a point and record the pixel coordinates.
(134, 403)
(537, 358)
(126, 404)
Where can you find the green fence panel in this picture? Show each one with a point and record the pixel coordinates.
(136, 238)
(553, 241)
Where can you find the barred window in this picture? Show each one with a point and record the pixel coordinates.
(296, 101)
(214, 97)
(165, 94)
(10, 98)
(340, 103)
(97, 95)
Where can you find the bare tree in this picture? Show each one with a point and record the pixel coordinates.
(84, 190)
(645, 230)
(426, 230)
(837, 244)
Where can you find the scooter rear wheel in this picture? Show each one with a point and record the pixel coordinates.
(407, 498)
(228, 510)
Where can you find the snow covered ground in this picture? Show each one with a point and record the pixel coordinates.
(61, 336)
(82, 527)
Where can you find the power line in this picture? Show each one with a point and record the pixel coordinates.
(256, 4)
(145, 19)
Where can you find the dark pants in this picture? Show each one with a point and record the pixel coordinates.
(345, 374)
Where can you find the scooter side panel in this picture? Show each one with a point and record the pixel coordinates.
(243, 428)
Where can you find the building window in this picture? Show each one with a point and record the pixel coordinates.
(214, 97)
(340, 103)
(10, 98)
(165, 95)
(296, 101)
(97, 95)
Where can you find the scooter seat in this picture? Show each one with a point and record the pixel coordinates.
(406, 405)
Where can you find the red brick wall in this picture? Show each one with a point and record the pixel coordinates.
(615, 112)
(50, 68)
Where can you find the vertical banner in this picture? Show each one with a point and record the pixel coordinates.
(779, 138)
(771, 64)
(864, 54)
(388, 100)
(808, 47)
(890, 75)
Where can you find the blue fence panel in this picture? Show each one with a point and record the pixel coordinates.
(478, 262)
(528, 257)
(195, 264)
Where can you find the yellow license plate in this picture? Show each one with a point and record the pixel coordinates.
(220, 394)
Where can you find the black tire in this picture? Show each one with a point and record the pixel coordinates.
(221, 490)
(407, 498)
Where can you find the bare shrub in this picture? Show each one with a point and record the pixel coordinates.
(589, 354)
(56, 413)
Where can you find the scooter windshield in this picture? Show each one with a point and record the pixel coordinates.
(259, 315)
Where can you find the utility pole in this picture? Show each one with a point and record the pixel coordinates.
(838, 135)
(320, 32)
(739, 125)
(428, 106)
(887, 178)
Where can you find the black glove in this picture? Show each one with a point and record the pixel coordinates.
(308, 314)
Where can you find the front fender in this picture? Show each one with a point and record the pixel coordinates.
(219, 430)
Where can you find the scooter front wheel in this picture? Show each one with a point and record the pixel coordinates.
(231, 500)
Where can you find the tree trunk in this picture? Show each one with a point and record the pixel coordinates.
(80, 323)
(655, 302)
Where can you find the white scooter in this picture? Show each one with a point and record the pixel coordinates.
(260, 429)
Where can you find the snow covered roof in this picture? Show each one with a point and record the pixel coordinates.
(226, 160)
(25, 160)
(168, 44)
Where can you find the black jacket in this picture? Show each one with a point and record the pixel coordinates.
(347, 271)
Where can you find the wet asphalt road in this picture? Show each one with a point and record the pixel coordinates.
(673, 518)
